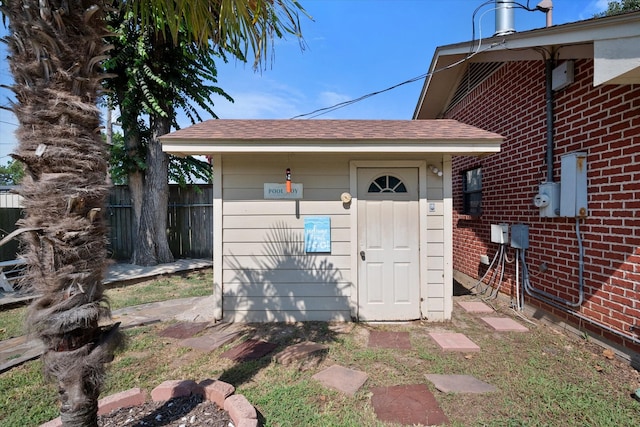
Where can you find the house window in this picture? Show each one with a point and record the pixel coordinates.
(387, 184)
(472, 192)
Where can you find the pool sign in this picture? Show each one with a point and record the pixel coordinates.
(279, 191)
(317, 234)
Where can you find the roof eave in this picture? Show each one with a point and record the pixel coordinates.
(577, 40)
(206, 147)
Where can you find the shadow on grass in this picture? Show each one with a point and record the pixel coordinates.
(281, 335)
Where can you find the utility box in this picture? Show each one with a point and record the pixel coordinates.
(520, 236)
(548, 199)
(562, 75)
(573, 176)
(500, 233)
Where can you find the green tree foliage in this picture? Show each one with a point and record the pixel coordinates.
(11, 173)
(56, 48)
(153, 80)
(149, 73)
(621, 6)
(182, 170)
(232, 25)
(161, 68)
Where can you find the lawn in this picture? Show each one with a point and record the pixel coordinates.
(544, 377)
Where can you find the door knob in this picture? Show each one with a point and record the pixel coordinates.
(362, 255)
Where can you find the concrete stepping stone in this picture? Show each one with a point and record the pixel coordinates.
(410, 404)
(450, 341)
(345, 380)
(475, 307)
(249, 350)
(299, 351)
(504, 324)
(385, 339)
(460, 384)
(183, 330)
(220, 335)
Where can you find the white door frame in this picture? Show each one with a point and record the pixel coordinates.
(422, 212)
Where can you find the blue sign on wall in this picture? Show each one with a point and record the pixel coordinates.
(317, 234)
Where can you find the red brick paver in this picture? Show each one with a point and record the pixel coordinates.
(449, 341)
(386, 339)
(175, 388)
(504, 324)
(407, 404)
(249, 350)
(343, 379)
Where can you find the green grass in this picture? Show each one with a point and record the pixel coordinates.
(299, 401)
(198, 283)
(193, 285)
(543, 378)
(26, 398)
(12, 321)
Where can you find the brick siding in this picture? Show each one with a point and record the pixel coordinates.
(603, 121)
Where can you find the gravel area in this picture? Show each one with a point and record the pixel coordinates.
(192, 411)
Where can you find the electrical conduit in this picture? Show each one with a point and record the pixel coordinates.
(554, 301)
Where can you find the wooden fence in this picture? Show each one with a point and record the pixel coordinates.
(8, 218)
(190, 230)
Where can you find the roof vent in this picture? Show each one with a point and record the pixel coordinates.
(504, 18)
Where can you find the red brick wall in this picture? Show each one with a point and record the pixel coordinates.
(603, 121)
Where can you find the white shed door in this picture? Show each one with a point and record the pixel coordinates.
(388, 242)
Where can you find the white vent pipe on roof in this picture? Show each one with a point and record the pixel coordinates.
(504, 18)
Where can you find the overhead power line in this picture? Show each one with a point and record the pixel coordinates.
(325, 110)
(321, 111)
(472, 53)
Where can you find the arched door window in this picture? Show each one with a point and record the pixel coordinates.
(387, 184)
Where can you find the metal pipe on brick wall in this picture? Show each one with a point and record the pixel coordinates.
(548, 72)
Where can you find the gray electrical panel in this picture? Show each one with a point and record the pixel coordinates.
(520, 236)
(573, 177)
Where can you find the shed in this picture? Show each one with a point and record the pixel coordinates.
(362, 231)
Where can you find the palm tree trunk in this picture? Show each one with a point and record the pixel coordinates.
(55, 52)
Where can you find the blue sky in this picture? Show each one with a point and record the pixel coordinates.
(354, 47)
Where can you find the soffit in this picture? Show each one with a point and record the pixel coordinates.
(599, 38)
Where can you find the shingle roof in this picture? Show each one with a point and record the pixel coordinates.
(316, 130)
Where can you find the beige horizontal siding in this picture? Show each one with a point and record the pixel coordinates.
(435, 283)
(269, 222)
(233, 235)
(274, 249)
(280, 315)
(285, 207)
(260, 262)
(286, 302)
(285, 290)
(308, 181)
(287, 276)
(257, 194)
(267, 276)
